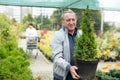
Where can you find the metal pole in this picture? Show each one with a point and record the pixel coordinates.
(102, 21)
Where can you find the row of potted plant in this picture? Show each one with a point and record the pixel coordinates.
(109, 46)
(44, 44)
(113, 74)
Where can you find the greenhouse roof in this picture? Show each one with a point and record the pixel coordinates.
(93, 4)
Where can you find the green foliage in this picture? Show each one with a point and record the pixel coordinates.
(108, 27)
(15, 30)
(3, 53)
(117, 29)
(14, 63)
(113, 74)
(99, 73)
(86, 46)
(56, 16)
(117, 49)
(28, 18)
(4, 27)
(9, 29)
(44, 23)
(96, 17)
(39, 22)
(106, 77)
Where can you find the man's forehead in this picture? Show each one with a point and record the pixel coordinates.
(69, 14)
(66, 14)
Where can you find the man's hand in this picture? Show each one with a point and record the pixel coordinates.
(73, 72)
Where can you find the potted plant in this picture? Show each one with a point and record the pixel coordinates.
(86, 51)
(117, 50)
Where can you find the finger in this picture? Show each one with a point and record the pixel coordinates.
(74, 77)
(75, 74)
(75, 67)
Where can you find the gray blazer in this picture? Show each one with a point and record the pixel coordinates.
(61, 53)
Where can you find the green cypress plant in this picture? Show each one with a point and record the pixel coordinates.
(86, 45)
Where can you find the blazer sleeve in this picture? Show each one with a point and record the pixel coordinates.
(57, 50)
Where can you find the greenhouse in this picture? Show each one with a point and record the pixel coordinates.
(18, 62)
(94, 4)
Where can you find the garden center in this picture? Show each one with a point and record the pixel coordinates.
(17, 63)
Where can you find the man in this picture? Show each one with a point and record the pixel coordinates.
(62, 44)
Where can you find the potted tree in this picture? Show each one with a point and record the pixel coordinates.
(86, 51)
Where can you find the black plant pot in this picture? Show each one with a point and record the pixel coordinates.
(87, 69)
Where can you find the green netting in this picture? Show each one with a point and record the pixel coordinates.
(93, 4)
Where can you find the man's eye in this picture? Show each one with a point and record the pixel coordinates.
(73, 19)
(70, 20)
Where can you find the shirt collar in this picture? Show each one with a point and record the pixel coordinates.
(75, 32)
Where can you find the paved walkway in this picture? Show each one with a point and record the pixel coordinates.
(40, 65)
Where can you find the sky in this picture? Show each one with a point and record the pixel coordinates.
(44, 11)
(110, 3)
(112, 16)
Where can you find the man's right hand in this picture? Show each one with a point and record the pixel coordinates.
(74, 73)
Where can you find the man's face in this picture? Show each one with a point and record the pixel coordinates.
(69, 21)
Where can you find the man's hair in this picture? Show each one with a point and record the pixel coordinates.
(69, 11)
